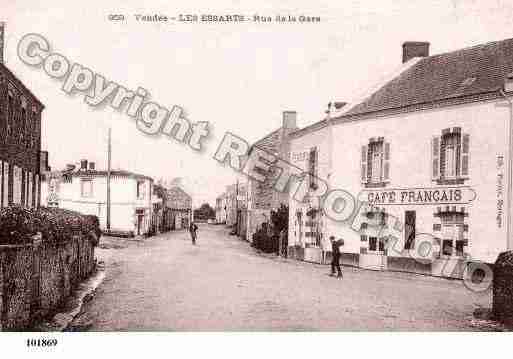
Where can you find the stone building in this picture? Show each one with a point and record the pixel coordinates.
(262, 198)
(20, 140)
(425, 156)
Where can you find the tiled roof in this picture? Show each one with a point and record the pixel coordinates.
(471, 71)
(5, 71)
(270, 142)
(103, 173)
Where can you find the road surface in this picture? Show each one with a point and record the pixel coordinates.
(165, 283)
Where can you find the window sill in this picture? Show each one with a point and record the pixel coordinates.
(450, 181)
(375, 184)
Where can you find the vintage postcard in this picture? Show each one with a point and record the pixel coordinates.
(271, 166)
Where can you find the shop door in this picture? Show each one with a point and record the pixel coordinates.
(139, 224)
(299, 216)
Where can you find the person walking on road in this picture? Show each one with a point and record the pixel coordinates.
(192, 229)
(335, 260)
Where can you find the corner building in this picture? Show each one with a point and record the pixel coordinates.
(425, 155)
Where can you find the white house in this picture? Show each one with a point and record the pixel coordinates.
(85, 190)
(221, 209)
(425, 155)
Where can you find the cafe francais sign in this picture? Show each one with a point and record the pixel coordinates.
(418, 196)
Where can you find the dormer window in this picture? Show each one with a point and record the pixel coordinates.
(450, 156)
(375, 163)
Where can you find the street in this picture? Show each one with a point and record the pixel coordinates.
(165, 283)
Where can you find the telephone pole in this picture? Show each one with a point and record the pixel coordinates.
(109, 150)
(237, 207)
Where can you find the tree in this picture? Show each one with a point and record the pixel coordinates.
(205, 212)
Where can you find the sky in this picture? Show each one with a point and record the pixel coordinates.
(238, 77)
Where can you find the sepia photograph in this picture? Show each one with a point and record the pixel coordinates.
(333, 170)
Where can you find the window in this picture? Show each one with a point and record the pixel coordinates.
(373, 241)
(10, 115)
(6, 184)
(312, 168)
(17, 183)
(409, 229)
(87, 187)
(452, 230)
(450, 156)
(23, 120)
(140, 189)
(376, 245)
(375, 162)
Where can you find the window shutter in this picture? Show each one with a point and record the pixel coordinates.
(38, 191)
(2, 188)
(386, 163)
(29, 190)
(364, 172)
(6, 184)
(465, 155)
(435, 158)
(17, 184)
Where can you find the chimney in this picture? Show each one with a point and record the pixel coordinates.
(413, 49)
(92, 166)
(83, 165)
(289, 119)
(2, 30)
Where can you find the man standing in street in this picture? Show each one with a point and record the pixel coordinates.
(335, 260)
(192, 229)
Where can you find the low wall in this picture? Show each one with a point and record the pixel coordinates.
(35, 279)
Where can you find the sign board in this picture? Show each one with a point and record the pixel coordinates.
(418, 196)
(299, 156)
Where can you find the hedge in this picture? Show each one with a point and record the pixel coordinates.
(18, 224)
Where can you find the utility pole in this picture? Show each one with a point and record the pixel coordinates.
(109, 150)
(237, 207)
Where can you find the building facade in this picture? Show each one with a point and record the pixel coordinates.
(262, 198)
(85, 190)
(179, 204)
(20, 142)
(221, 209)
(425, 157)
(236, 197)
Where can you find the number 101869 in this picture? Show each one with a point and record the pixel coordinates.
(41, 342)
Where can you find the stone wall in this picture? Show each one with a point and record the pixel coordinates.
(36, 279)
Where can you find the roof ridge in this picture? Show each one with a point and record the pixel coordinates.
(469, 48)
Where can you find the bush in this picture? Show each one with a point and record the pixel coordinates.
(18, 224)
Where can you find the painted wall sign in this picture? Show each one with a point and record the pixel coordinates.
(418, 196)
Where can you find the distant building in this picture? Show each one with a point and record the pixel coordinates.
(179, 203)
(20, 140)
(85, 190)
(162, 214)
(236, 198)
(221, 209)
